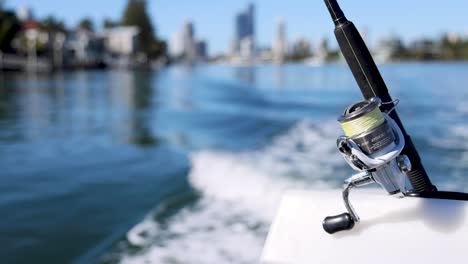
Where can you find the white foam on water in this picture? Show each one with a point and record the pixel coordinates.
(455, 130)
(454, 138)
(240, 193)
(451, 152)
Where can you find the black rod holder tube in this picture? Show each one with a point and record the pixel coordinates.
(371, 83)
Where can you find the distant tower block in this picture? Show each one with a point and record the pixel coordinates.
(244, 37)
(280, 43)
(177, 44)
(189, 41)
(365, 35)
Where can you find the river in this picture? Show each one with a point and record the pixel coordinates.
(194, 159)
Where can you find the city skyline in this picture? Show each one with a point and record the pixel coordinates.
(307, 19)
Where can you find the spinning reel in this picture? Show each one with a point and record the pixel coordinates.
(371, 145)
(374, 141)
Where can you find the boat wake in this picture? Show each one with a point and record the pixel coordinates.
(238, 194)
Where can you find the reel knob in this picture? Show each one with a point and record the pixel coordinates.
(341, 222)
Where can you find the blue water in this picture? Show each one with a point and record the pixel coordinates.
(186, 165)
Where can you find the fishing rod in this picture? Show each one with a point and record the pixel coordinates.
(371, 83)
(375, 143)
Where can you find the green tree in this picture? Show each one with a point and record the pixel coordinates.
(87, 23)
(50, 23)
(108, 23)
(136, 14)
(9, 26)
(300, 51)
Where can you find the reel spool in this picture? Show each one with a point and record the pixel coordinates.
(366, 126)
(371, 145)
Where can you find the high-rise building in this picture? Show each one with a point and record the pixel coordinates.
(323, 48)
(185, 47)
(244, 40)
(176, 47)
(280, 43)
(365, 35)
(201, 50)
(245, 23)
(189, 41)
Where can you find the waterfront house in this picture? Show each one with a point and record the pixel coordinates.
(121, 44)
(84, 48)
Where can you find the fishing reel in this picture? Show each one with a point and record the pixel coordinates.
(371, 145)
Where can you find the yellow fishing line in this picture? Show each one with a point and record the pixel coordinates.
(364, 123)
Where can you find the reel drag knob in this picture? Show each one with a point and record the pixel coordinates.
(341, 222)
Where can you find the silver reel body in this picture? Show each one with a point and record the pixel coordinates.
(384, 166)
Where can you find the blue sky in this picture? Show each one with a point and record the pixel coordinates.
(214, 20)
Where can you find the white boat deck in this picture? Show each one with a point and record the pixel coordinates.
(408, 230)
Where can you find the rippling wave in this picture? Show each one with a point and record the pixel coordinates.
(239, 193)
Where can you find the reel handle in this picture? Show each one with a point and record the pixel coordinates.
(336, 223)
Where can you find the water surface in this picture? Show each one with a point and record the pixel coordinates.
(192, 159)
